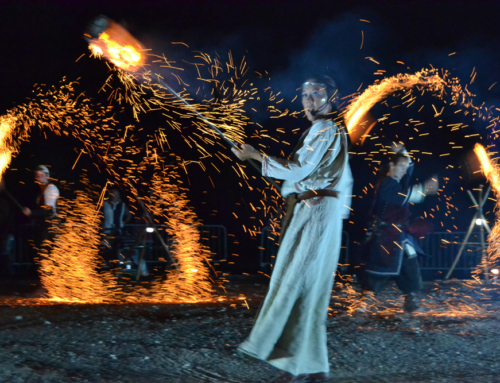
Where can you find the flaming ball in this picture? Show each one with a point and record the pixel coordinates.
(109, 39)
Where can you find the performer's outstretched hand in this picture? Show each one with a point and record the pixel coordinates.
(245, 152)
(431, 185)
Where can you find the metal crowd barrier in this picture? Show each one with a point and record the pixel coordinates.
(19, 246)
(441, 249)
(269, 248)
(213, 236)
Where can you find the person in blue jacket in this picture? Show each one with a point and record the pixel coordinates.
(392, 251)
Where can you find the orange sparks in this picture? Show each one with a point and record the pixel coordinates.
(70, 272)
(378, 92)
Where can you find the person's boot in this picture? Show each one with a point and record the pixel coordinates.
(411, 303)
(321, 377)
(303, 378)
(283, 377)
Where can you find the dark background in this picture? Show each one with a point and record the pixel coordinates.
(41, 40)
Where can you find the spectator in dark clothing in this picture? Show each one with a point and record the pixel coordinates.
(391, 251)
(116, 215)
(43, 214)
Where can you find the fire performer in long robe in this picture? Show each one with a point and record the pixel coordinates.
(290, 330)
(391, 249)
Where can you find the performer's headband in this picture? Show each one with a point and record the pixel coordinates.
(313, 83)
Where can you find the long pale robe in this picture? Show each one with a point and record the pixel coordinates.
(290, 330)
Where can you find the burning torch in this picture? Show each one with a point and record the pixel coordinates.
(110, 40)
(484, 159)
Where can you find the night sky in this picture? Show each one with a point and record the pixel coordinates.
(287, 39)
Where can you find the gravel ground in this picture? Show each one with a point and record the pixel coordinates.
(197, 342)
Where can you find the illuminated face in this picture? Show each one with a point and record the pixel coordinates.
(41, 177)
(399, 170)
(315, 98)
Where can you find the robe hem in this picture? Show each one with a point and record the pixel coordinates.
(277, 363)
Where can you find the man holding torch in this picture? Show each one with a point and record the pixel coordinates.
(290, 330)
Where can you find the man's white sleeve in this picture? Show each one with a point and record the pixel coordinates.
(50, 195)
